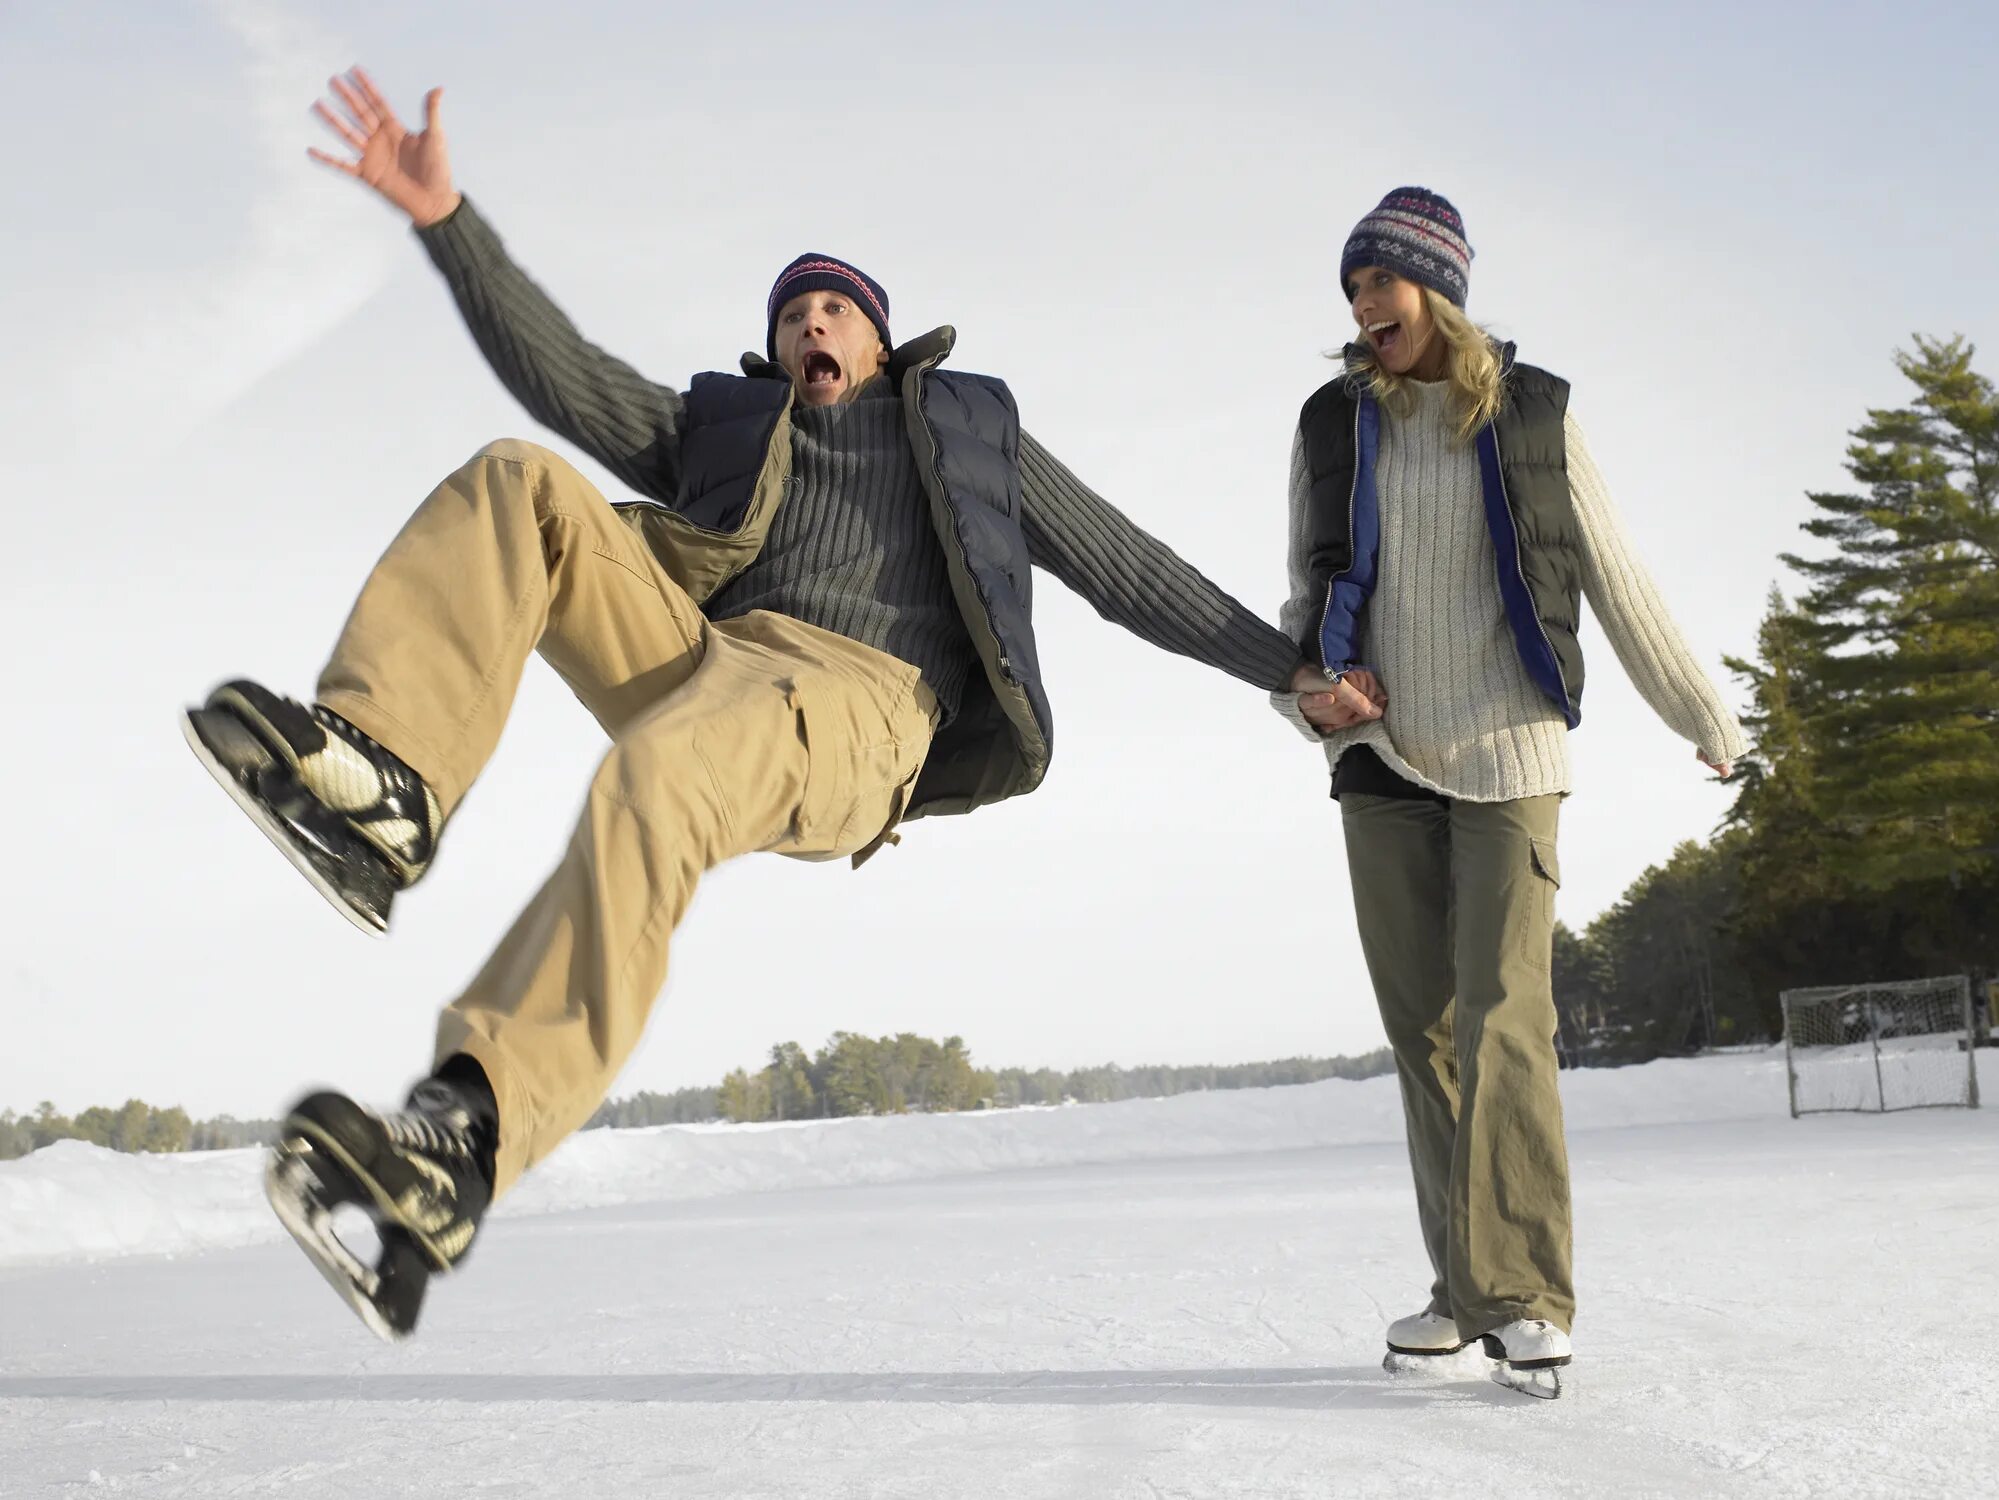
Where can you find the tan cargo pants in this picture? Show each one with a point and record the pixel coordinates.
(761, 733)
(1456, 908)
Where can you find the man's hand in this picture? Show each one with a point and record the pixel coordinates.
(1720, 768)
(1354, 699)
(411, 171)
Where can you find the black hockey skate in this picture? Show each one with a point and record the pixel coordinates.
(422, 1174)
(356, 821)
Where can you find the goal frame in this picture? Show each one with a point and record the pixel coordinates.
(1864, 993)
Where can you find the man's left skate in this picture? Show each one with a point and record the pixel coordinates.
(421, 1176)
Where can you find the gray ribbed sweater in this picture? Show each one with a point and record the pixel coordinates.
(1463, 716)
(852, 550)
(632, 426)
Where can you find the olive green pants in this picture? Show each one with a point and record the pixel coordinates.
(761, 733)
(1456, 907)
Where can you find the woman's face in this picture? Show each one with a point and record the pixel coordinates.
(1395, 321)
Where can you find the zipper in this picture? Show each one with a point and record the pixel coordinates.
(938, 497)
(1353, 489)
(1499, 470)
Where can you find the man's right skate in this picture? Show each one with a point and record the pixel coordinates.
(422, 1175)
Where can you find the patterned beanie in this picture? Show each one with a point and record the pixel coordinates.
(1416, 234)
(822, 273)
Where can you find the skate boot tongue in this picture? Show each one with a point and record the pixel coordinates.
(459, 1097)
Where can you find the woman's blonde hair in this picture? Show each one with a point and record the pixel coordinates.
(1471, 366)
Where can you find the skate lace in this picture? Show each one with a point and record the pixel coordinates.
(427, 1134)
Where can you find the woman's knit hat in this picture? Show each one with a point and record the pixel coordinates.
(822, 273)
(1416, 234)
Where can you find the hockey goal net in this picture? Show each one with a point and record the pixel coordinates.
(1881, 1047)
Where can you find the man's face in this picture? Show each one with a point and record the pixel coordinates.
(827, 346)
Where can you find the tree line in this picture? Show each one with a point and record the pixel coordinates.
(850, 1075)
(1863, 841)
(859, 1075)
(134, 1126)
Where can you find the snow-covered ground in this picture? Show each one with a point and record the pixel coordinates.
(1177, 1297)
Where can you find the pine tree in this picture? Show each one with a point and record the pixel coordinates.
(792, 1095)
(1801, 917)
(1581, 986)
(167, 1130)
(1904, 617)
(745, 1097)
(14, 1138)
(851, 1068)
(1673, 980)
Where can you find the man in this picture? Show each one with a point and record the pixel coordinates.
(809, 622)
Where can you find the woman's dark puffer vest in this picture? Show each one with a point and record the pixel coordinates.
(735, 461)
(1523, 469)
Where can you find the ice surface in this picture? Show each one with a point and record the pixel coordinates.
(1181, 1297)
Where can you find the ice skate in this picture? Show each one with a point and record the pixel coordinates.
(1428, 1344)
(422, 1175)
(1530, 1356)
(356, 821)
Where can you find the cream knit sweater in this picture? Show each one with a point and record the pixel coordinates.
(1463, 717)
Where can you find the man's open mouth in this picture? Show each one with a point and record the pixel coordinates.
(1385, 336)
(821, 368)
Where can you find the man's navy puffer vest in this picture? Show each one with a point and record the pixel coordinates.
(1523, 469)
(965, 431)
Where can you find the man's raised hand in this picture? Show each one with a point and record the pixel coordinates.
(411, 171)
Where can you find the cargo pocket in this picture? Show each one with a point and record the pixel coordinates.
(825, 799)
(854, 795)
(898, 804)
(1538, 919)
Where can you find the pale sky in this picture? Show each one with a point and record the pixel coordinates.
(227, 375)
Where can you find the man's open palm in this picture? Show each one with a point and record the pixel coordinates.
(411, 171)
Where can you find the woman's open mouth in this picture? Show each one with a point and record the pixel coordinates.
(1385, 336)
(820, 369)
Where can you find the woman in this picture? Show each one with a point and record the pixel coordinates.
(1446, 522)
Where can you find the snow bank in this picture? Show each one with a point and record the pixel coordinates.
(71, 1201)
(76, 1202)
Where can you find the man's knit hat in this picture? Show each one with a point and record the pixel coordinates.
(1416, 234)
(822, 273)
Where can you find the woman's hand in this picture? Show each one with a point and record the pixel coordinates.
(1356, 698)
(1720, 768)
(411, 171)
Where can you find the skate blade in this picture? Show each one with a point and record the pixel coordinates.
(1547, 1383)
(1466, 1362)
(275, 829)
(295, 1194)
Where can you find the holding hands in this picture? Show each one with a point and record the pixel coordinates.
(411, 171)
(1357, 697)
